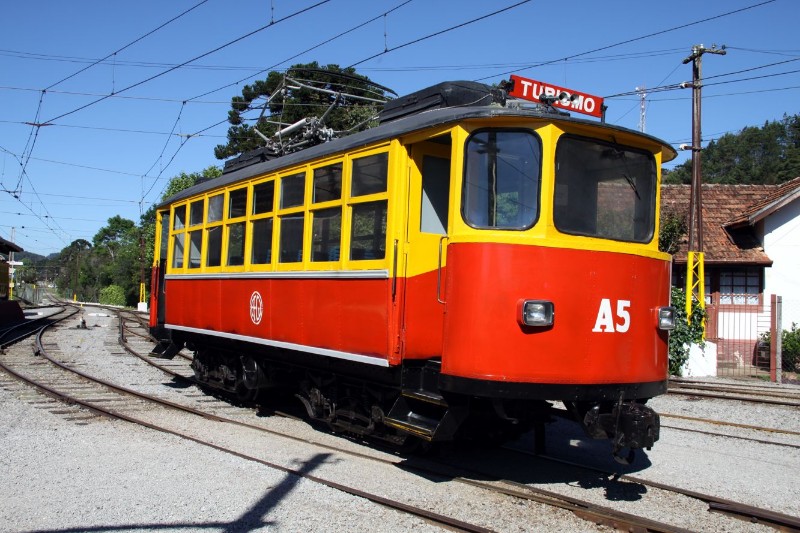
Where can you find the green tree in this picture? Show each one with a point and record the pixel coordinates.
(113, 295)
(767, 154)
(74, 277)
(290, 103)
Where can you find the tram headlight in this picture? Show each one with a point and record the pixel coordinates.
(539, 313)
(666, 318)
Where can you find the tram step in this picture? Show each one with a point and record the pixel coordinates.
(165, 350)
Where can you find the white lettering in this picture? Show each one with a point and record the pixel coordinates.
(605, 321)
(622, 312)
(525, 85)
(589, 105)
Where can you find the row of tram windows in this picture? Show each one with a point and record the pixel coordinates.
(311, 215)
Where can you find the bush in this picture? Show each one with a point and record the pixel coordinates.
(112, 295)
(685, 333)
(790, 347)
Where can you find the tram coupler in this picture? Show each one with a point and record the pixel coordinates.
(629, 425)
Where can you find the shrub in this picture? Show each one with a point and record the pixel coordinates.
(685, 333)
(112, 295)
(790, 347)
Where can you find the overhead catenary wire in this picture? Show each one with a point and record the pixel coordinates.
(192, 60)
(635, 39)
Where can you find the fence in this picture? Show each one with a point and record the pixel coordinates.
(743, 335)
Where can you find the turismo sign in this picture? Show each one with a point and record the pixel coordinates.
(532, 90)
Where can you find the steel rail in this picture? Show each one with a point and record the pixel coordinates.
(780, 521)
(585, 510)
(446, 521)
(779, 391)
(704, 394)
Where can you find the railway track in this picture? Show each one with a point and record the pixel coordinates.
(590, 511)
(771, 395)
(133, 338)
(101, 397)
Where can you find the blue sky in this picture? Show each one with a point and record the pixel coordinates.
(116, 155)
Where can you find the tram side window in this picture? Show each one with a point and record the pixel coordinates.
(327, 234)
(180, 217)
(262, 242)
(164, 238)
(196, 213)
(236, 234)
(214, 233)
(263, 197)
(177, 250)
(236, 231)
(293, 190)
(502, 179)
(215, 208)
(604, 190)
(368, 218)
(368, 231)
(214, 252)
(237, 203)
(262, 204)
(435, 195)
(369, 174)
(328, 183)
(179, 223)
(291, 238)
(195, 247)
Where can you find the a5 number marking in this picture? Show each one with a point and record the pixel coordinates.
(607, 322)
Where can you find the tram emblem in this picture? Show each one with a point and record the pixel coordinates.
(256, 307)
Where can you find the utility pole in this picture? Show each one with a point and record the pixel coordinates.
(695, 270)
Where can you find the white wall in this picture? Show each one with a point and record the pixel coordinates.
(782, 245)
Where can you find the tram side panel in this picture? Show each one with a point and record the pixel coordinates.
(350, 316)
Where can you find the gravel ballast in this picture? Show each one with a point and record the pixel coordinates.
(65, 469)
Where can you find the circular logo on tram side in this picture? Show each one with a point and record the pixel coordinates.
(256, 307)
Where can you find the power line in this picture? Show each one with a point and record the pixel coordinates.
(151, 32)
(446, 30)
(634, 39)
(217, 49)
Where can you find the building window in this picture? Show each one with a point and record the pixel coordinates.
(740, 286)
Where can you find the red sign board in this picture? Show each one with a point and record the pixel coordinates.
(568, 99)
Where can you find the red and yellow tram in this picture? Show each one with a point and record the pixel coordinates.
(449, 272)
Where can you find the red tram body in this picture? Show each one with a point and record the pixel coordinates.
(450, 272)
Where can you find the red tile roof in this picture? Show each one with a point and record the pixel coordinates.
(728, 234)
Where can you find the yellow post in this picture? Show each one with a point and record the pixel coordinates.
(695, 284)
(142, 298)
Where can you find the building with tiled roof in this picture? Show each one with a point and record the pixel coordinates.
(751, 244)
